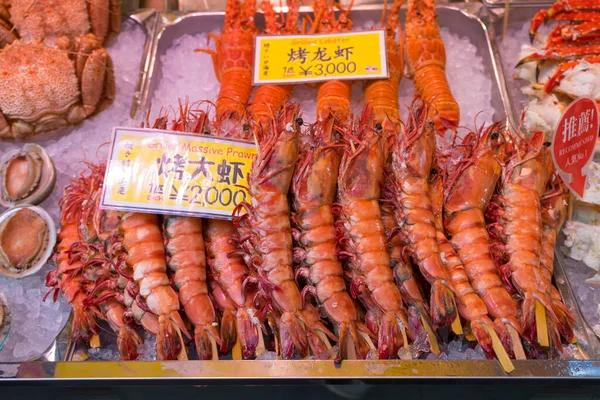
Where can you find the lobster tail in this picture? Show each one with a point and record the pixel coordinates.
(247, 332)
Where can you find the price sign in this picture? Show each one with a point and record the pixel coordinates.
(574, 141)
(162, 172)
(309, 58)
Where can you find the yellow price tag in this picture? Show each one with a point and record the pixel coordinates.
(309, 58)
(162, 172)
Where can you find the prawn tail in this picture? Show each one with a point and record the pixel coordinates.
(390, 338)
(483, 337)
(228, 330)
(442, 305)
(530, 315)
(353, 339)
(169, 343)
(248, 333)
(84, 322)
(565, 320)
(318, 335)
(292, 333)
(206, 338)
(128, 342)
(420, 325)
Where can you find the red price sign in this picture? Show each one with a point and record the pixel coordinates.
(574, 141)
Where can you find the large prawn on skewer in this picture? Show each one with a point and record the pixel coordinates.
(470, 183)
(554, 213)
(186, 257)
(427, 58)
(75, 257)
(143, 244)
(314, 191)
(362, 234)
(412, 161)
(470, 305)
(266, 237)
(516, 216)
(382, 96)
(233, 61)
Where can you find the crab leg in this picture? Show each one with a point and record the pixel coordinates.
(560, 72)
(562, 53)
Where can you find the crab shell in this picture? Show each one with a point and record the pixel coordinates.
(26, 176)
(38, 20)
(42, 89)
(27, 237)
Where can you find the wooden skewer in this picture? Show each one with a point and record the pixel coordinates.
(405, 337)
(183, 353)
(236, 351)
(541, 325)
(516, 342)
(95, 342)
(457, 326)
(435, 347)
(501, 354)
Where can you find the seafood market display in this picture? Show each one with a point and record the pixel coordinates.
(365, 237)
(395, 218)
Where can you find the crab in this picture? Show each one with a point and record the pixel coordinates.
(45, 87)
(48, 19)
